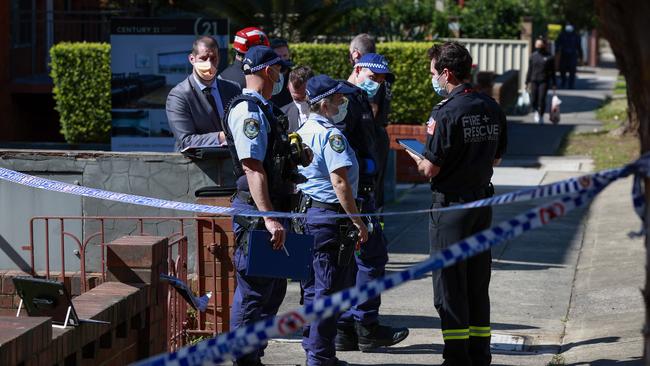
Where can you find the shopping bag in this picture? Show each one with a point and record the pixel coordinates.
(523, 102)
(554, 116)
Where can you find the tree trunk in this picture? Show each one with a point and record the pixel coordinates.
(624, 24)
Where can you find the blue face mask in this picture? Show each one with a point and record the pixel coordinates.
(437, 87)
(343, 111)
(277, 86)
(369, 86)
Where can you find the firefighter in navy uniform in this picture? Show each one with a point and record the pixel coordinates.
(266, 171)
(467, 137)
(359, 327)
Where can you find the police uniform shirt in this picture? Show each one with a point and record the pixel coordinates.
(466, 132)
(331, 151)
(249, 129)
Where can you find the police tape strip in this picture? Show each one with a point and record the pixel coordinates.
(234, 344)
(569, 186)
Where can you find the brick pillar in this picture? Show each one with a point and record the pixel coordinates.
(141, 260)
(214, 265)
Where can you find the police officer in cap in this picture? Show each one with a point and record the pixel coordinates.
(466, 138)
(257, 139)
(331, 188)
(359, 328)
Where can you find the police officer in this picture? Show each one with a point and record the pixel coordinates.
(359, 327)
(466, 138)
(380, 100)
(244, 39)
(255, 136)
(331, 188)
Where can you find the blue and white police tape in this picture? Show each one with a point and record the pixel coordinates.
(246, 339)
(564, 187)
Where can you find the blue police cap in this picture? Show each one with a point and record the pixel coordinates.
(259, 57)
(322, 86)
(377, 64)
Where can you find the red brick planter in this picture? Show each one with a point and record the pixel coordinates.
(406, 170)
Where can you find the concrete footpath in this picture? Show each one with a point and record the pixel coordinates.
(564, 294)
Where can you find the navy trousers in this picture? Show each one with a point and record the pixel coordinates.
(327, 277)
(369, 265)
(255, 297)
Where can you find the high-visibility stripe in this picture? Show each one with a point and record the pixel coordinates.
(451, 334)
(479, 331)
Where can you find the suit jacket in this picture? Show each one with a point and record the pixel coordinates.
(293, 115)
(191, 117)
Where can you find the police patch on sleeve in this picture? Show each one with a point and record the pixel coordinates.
(251, 128)
(337, 143)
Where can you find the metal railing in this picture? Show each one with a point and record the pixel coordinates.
(181, 324)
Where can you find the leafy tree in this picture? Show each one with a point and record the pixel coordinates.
(489, 19)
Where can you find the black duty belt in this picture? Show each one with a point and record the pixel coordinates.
(447, 198)
(285, 203)
(308, 202)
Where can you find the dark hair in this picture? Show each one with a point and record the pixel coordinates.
(207, 41)
(300, 75)
(364, 43)
(279, 42)
(452, 56)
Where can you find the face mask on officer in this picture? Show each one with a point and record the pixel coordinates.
(439, 89)
(568, 28)
(368, 85)
(205, 69)
(342, 111)
(277, 85)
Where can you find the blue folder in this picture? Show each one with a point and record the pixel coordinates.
(264, 261)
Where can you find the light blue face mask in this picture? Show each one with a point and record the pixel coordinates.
(437, 87)
(343, 111)
(369, 86)
(277, 86)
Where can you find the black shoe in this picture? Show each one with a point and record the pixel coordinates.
(248, 363)
(377, 335)
(346, 338)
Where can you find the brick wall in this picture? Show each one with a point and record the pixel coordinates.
(133, 300)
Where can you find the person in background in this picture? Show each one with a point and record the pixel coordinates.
(380, 102)
(195, 107)
(359, 327)
(568, 47)
(244, 39)
(281, 48)
(540, 75)
(298, 110)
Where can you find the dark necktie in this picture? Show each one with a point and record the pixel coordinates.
(208, 94)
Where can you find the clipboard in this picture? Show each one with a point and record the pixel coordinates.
(264, 261)
(413, 145)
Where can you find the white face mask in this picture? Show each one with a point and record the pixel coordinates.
(568, 28)
(343, 111)
(205, 70)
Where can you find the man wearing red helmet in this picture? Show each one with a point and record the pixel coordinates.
(244, 39)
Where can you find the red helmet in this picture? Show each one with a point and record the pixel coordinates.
(249, 37)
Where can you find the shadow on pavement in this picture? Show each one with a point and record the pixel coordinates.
(536, 140)
(607, 362)
(568, 346)
(577, 103)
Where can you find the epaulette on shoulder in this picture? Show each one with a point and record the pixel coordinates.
(442, 103)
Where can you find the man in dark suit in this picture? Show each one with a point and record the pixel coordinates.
(195, 107)
(297, 110)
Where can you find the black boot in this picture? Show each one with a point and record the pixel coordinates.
(376, 335)
(346, 338)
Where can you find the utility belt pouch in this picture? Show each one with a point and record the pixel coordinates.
(248, 223)
(348, 239)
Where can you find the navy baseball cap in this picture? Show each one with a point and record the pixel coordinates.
(259, 57)
(377, 64)
(322, 86)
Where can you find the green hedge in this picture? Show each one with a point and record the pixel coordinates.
(413, 96)
(82, 90)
